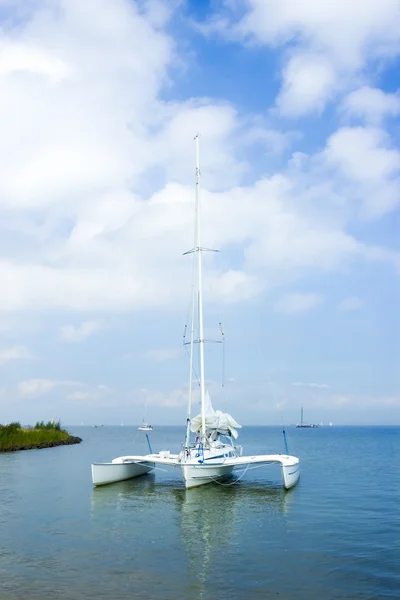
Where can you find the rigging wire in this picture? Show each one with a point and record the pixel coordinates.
(223, 362)
(248, 468)
(209, 269)
(185, 345)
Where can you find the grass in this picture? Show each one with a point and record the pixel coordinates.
(13, 435)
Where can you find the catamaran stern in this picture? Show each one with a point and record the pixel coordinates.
(290, 473)
(197, 475)
(119, 469)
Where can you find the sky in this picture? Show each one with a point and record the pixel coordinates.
(297, 104)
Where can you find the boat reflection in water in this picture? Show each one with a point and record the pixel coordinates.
(214, 520)
(214, 501)
(201, 531)
(122, 494)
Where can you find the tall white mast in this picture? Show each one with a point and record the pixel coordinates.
(200, 291)
(196, 287)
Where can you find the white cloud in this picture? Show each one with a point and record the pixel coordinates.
(371, 104)
(20, 58)
(311, 385)
(77, 128)
(296, 303)
(340, 39)
(217, 124)
(308, 83)
(80, 395)
(123, 261)
(363, 153)
(370, 27)
(175, 398)
(364, 402)
(90, 393)
(89, 154)
(352, 303)
(13, 353)
(72, 333)
(39, 387)
(273, 140)
(367, 160)
(162, 354)
(96, 202)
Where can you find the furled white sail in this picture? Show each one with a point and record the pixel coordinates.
(216, 421)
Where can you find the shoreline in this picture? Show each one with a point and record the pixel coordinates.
(67, 442)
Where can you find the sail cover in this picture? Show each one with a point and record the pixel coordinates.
(216, 421)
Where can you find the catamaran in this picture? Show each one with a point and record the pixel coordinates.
(209, 452)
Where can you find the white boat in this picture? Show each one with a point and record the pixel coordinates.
(305, 425)
(124, 467)
(211, 456)
(145, 427)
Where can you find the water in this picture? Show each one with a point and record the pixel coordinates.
(335, 536)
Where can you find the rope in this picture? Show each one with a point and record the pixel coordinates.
(145, 464)
(236, 480)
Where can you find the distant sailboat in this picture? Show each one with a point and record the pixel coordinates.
(303, 425)
(145, 426)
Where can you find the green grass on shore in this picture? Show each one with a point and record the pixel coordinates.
(13, 435)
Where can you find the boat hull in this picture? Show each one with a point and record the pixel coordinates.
(291, 474)
(197, 475)
(194, 474)
(104, 473)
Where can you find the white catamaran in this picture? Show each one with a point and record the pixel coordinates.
(212, 455)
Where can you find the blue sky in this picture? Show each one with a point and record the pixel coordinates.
(297, 103)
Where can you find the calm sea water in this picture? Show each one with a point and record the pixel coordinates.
(336, 535)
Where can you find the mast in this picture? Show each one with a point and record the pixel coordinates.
(191, 343)
(197, 289)
(301, 415)
(200, 291)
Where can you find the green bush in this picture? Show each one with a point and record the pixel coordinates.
(14, 425)
(48, 425)
(13, 435)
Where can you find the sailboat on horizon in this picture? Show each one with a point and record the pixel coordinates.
(304, 425)
(209, 452)
(145, 426)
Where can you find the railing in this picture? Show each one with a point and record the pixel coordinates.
(200, 448)
(239, 450)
